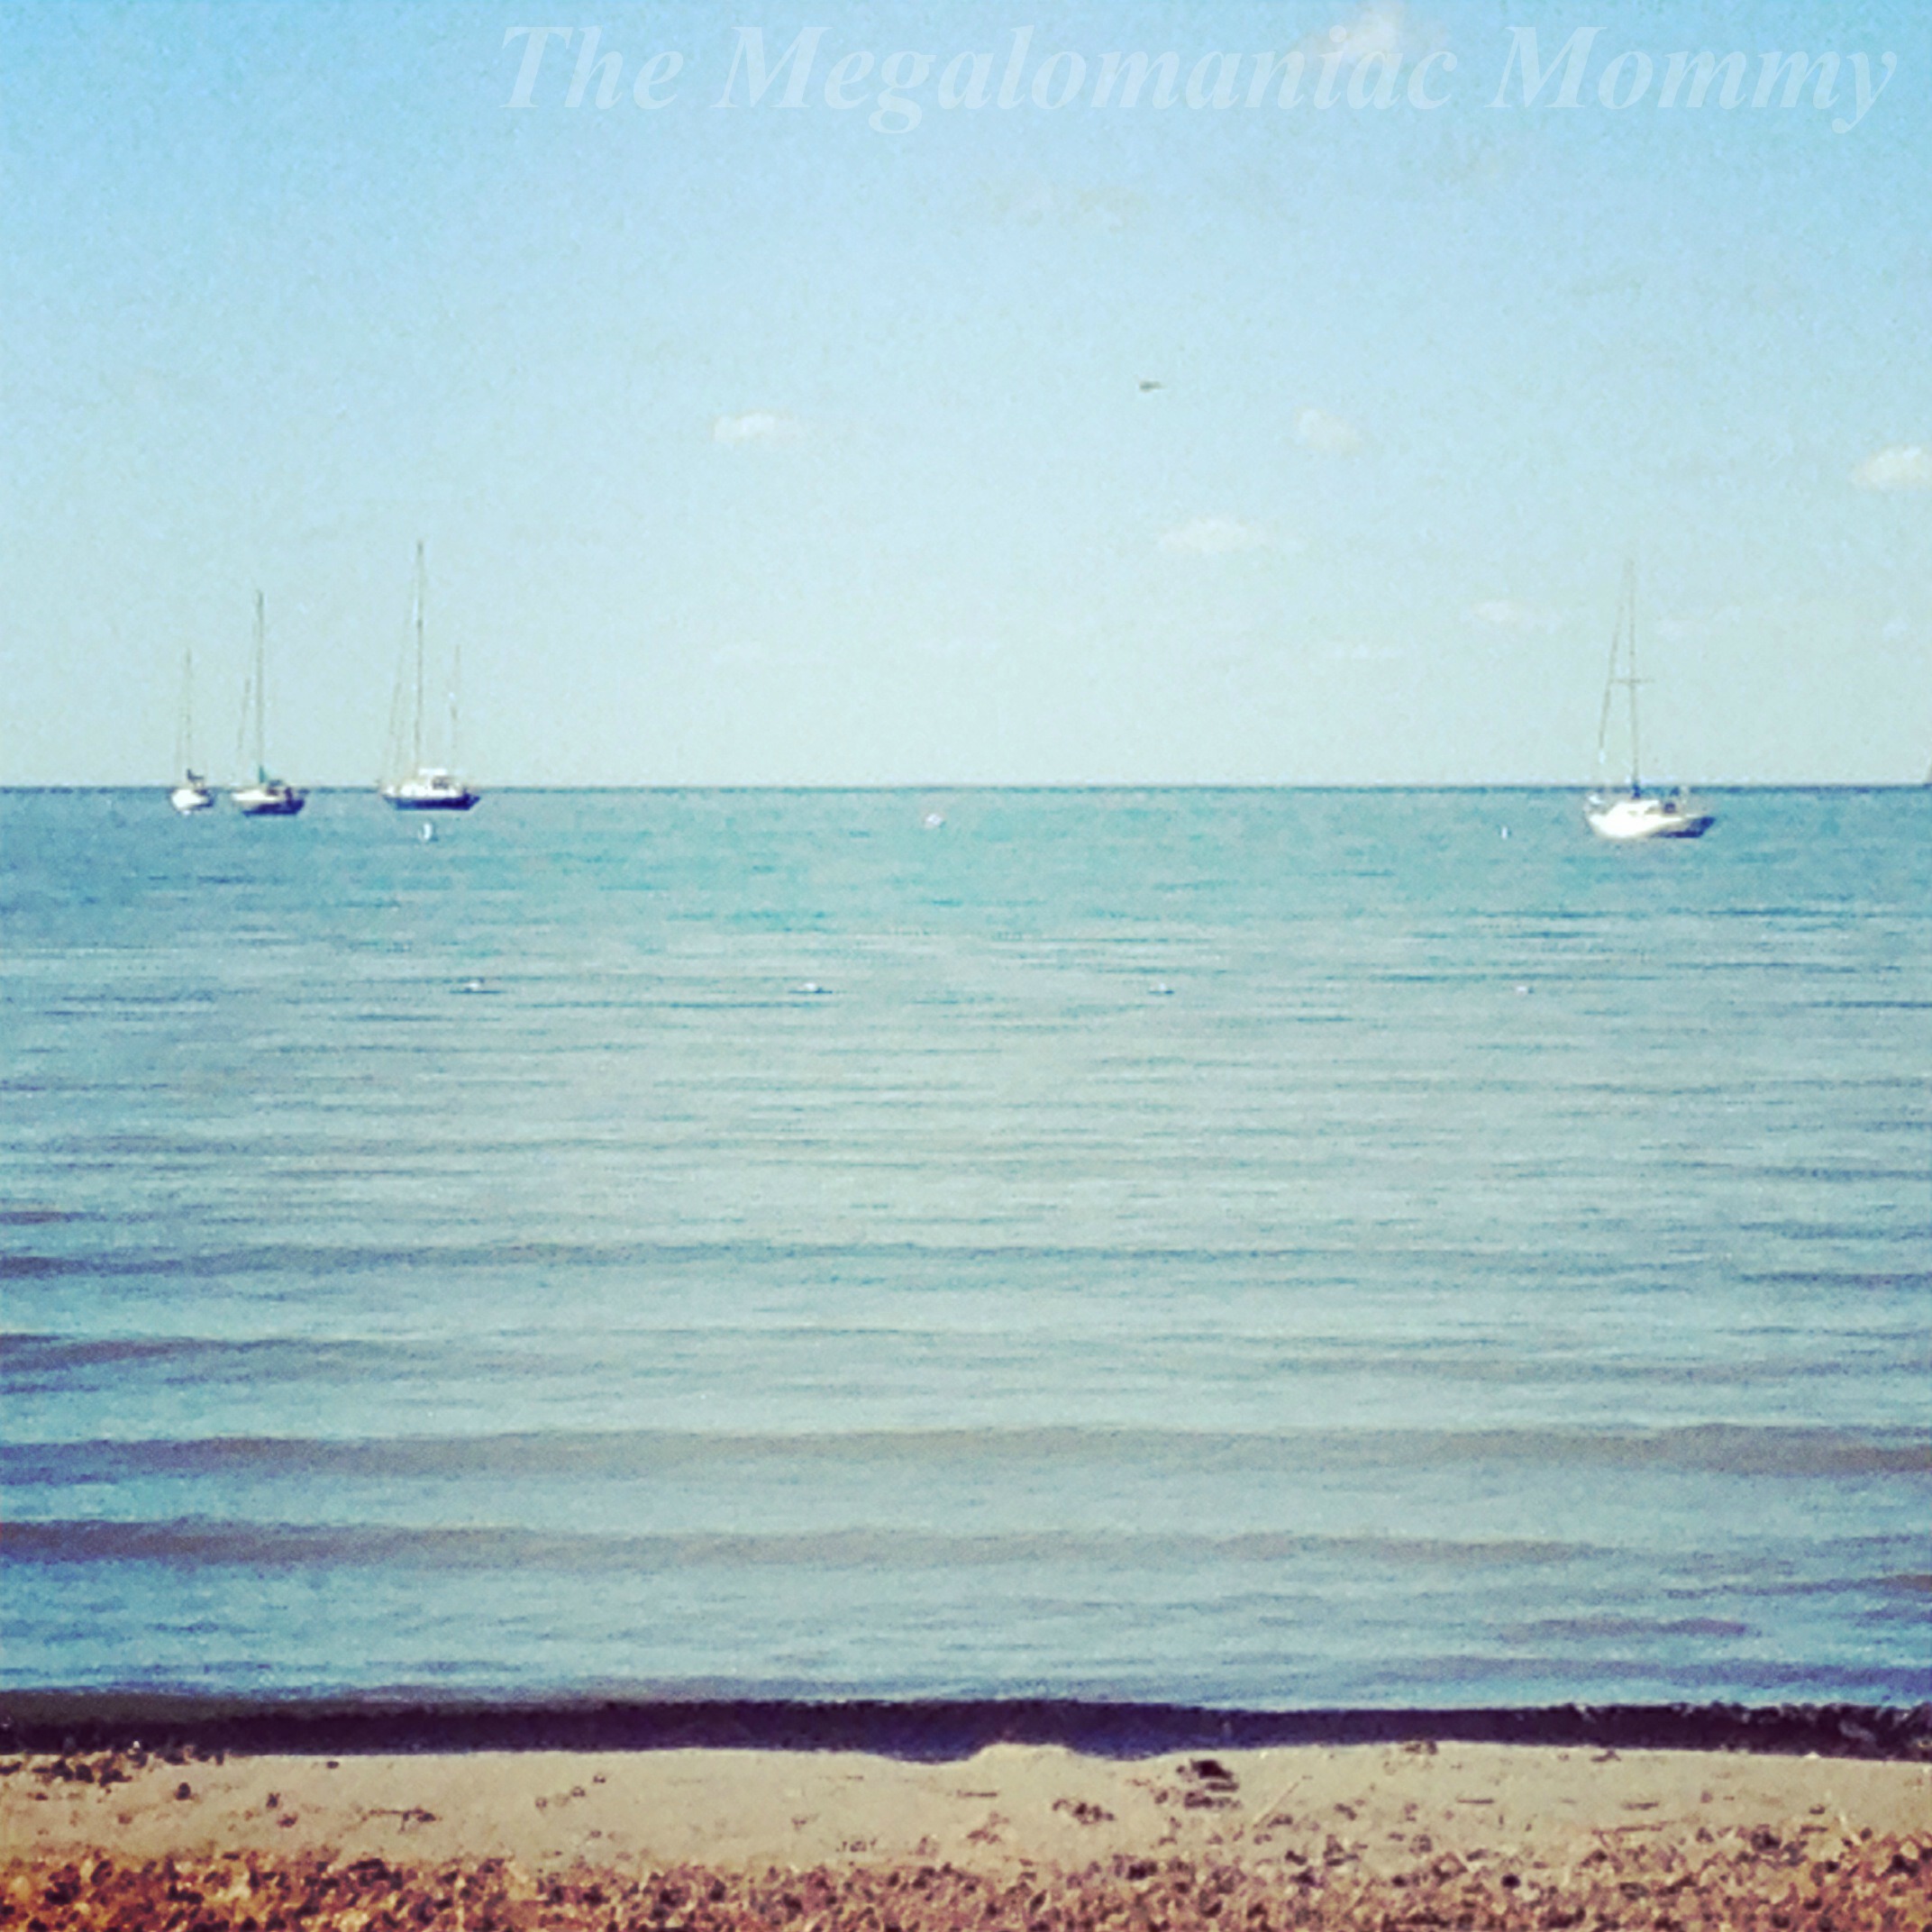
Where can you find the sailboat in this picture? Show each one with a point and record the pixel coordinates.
(1634, 813)
(264, 798)
(194, 793)
(421, 786)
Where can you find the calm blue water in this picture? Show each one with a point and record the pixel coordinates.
(1261, 1248)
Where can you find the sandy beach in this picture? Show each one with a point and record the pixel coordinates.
(1421, 1834)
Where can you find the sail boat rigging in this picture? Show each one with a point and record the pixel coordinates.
(264, 797)
(194, 793)
(422, 786)
(1634, 813)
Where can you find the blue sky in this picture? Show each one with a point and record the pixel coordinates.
(755, 444)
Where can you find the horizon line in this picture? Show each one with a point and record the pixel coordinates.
(1034, 785)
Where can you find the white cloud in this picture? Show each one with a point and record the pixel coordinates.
(1328, 435)
(1214, 536)
(1505, 614)
(1374, 29)
(1684, 630)
(756, 425)
(1904, 466)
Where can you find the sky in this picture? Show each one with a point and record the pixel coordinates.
(1051, 439)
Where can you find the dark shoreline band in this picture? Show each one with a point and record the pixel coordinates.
(930, 1731)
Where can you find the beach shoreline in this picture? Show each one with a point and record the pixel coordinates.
(1311, 1834)
(408, 1722)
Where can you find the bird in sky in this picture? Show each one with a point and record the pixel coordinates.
(1148, 383)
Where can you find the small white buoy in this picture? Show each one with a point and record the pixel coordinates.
(933, 820)
(1506, 831)
(429, 831)
(1522, 990)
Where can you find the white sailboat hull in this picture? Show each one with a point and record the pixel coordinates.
(1633, 815)
(409, 782)
(270, 799)
(194, 793)
(263, 797)
(430, 791)
(1636, 815)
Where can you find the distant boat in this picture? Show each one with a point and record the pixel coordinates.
(194, 793)
(414, 786)
(264, 797)
(1633, 812)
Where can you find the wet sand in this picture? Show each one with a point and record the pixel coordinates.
(1422, 1834)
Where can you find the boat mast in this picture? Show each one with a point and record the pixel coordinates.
(261, 659)
(185, 749)
(1610, 695)
(456, 686)
(1630, 610)
(422, 576)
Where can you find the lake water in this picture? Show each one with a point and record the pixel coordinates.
(1255, 1248)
